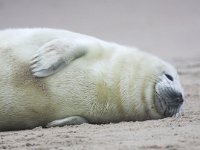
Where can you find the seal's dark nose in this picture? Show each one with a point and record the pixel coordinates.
(175, 99)
(179, 98)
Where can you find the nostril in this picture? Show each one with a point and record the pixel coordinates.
(180, 99)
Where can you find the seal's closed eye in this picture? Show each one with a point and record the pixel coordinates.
(169, 77)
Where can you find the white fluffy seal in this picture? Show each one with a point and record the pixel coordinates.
(55, 77)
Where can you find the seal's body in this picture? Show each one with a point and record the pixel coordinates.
(54, 77)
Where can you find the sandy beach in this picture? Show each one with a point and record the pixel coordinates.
(169, 29)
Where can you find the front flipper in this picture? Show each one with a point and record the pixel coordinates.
(55, 55)
(74, 120)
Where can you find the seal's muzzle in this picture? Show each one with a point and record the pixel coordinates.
(168, 96)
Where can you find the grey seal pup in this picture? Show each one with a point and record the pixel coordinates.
(55, 77)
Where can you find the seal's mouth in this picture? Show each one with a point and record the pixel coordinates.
(168, 103)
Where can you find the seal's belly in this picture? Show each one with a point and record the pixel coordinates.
(90, 89)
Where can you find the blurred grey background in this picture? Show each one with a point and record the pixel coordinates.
(167, 28)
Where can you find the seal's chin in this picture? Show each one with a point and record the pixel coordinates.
(168, 103)
(172, 111)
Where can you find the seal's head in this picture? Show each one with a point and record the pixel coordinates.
(168, 92)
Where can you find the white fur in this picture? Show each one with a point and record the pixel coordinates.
(110, 83)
